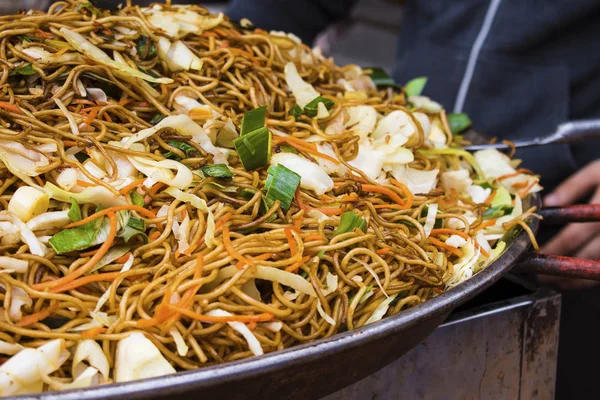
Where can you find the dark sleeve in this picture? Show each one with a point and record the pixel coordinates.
(304, 18)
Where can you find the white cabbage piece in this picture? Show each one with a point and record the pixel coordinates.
(362, 120)
(425, 103)
(138, 358)
(253, 342)
(21, 161)
(10, 348)
(396, 123)
(201, 205)
(178, 56)
(430, 219)
(459, 180)
(36, 247)
(495, 164)
(312, 176)
(368, 160)
(49, 220)
(416, 180)
(89, 352)
(329, 166)
(381, 310)
(14, 264)
(465, 266)
(478, 194)
(98, 195)
(303, 92)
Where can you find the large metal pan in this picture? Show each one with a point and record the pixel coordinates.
(315, 369)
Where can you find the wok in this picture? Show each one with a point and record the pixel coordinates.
(322, 367)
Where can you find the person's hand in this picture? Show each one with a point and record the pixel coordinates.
(578, 240)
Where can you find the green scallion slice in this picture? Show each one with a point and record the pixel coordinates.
(281, 185)
(312, 108)
(137, 199)
(296, 112)
(458, 122)
(350, 221)
(188, 150)
(219, 171)
(74, 213)
(497, 212)
(254, 148)
(253, 120)
(381, 79)
(25, 70)
(137, 223)
(415, 87)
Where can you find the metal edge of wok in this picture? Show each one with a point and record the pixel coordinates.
(318, 368)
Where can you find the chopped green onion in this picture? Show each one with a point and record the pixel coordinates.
(137, 199)
(381, 79)
(25, 70)
(74, 213)
(137, 223)
(321, 254)
(312, 108)
(253, 120)
(219, 171)
(281, 184)
(189, 151)
(29, 39)
(254, 148)
(502, 198)
(156, 119)
(145, 47)
(350, 221)
(128, 232)
(458, 122)
(414, 87)
(497, 212)
(296, 112)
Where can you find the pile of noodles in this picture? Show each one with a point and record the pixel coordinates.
(61, 108)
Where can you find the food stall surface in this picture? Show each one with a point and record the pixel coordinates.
(502, 345)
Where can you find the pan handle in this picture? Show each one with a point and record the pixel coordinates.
(568, 214)
(565, 267)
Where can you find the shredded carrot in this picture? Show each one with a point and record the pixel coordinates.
(132, 186)
(301, 204)
(383, 251)
(314, 236)
(383, 190)
(92, 115)
(485, 224)
(449, 231)
(209, 34)
(453, 250)
(69, 143)
(525, 191)
(246, 54)
(519, 185)
(85, 184)
(262, 317)
(231, 250)
(406, 191)
(437, 290)
(154, 235)
(11, 107)
(107, 276)
(38, 316)
(123, 259)
(330, 210)
(352, 197)
(112, 210)
(294, 267)
(107, 117)
(291, 241)
(304, 146)
(161, 312)
(490, 197)
(93, 332)
(252, 325)
(124, 101)
(83, 101)
(163, 89)
(61, 282)
(261, 257)
(156, 187)
(327, 198)
(298, 224)
(38, 180)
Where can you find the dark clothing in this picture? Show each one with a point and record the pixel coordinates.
(538, 65)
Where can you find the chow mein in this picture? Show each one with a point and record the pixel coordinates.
(179, 190)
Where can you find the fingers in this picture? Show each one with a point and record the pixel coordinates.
(576, 186)
(591, 250)
(571, 239)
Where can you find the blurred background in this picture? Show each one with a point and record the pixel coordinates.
(368, 37)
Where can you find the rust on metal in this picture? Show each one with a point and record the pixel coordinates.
(567, 267)
(568, 214)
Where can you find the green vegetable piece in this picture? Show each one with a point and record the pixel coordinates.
(137, 223)
(438, 221)
(88, 6)
(137, 199)
(253, 120)
(74, 213)
(190, 151)
(78, 238)
(458, 122)
(286, 148)
(497, 212)
(502, 198)
(254, 149)
(145, 47)
(381, 79)
(156, 119)
(321, 254)
(25, 70)
(414, 87)
(296, 112)
(312, 108)
(349, 221)
(219, 171)
(281, 185)
(129, 232)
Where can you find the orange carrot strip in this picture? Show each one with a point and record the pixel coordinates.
(111, 210)
(123, 259)
(525, 191)
(93, 332)
(132, 186)
(92, 115)
(124, 101)
(262, 317)
(154, 235)
(383, 190)
(455, 251)
(449, 231)
(156, 187)
(406, 191)
(38, 316)
(330, 210)
(490, 197)
(38, 180)
(11, 107)
(261, 257)
(107, 117)
(85, 184)
(69, 143)
(383, 251)
(485, 224)
(106, 276)
(163, 89)
(314, 236)
(291, 241)
(231, 250)
(304, 146)
(301, 202)
(294, 267)
(112, 233)
(438, 290)
(298, 224)
(89, 253)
